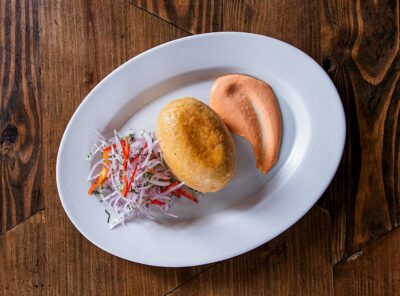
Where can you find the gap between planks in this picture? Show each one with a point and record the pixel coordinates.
(160, 18)
(40, 213)
(359, 253)
(190, 279)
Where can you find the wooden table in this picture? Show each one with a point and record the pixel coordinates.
(53, 52)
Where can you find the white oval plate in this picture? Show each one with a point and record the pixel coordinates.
(253, 208)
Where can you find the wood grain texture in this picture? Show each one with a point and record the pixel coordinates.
(359, 48)
(295, 263)
(375, 272)
(263, 17)
(194, 16)
(19, 30)
(83, 41)
(91, 38)
(22, 258)
(292, 21)
(20, 120)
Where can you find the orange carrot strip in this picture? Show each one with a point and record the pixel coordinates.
(93, 187)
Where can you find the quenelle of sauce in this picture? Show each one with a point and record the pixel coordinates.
(249, 108)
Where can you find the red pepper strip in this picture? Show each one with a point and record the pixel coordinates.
(157, 202)
(176, 193)
(108, 148)
(135, 158)
(144, 147)
(126, 154)
(130, 182)
(125, 180)
(187, 195)
(93, 187)
(173, 184)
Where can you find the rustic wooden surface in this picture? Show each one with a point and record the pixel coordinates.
(52, 53)
(22, 258)
(373, 271)
(20, 116)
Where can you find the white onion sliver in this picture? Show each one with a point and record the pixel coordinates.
(159, 183)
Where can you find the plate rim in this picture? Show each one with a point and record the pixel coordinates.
(341, 141)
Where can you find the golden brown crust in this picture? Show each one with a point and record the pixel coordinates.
(196, 144)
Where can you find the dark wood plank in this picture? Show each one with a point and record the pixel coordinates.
(19, 30)
(92, 39)
(22, 258)
(295, 263)
(359, 48)
(82, 42)
(301, 28)
(20, 120)
(195, 16)
(293, 21)
(375, 271)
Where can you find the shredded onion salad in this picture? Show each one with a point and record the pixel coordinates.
(131, 178)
